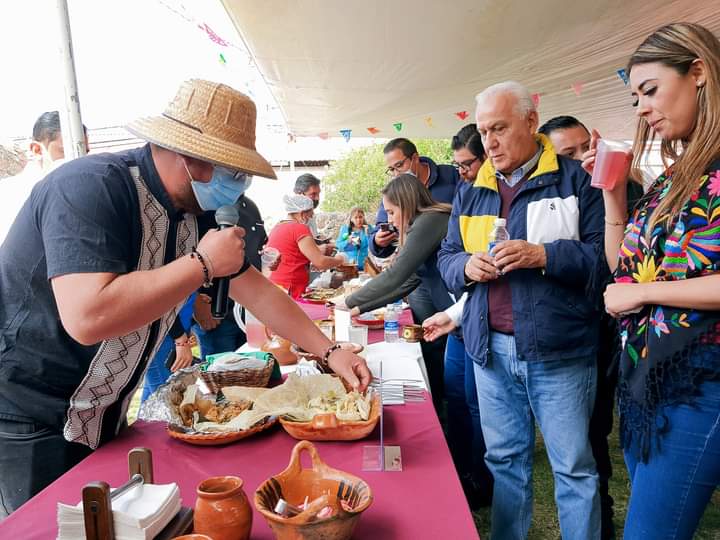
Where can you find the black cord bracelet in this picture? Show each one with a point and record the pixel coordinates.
(206, 273)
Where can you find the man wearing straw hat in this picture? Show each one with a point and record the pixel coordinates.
(99, 261)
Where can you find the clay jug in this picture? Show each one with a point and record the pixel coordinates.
(280, 348)
(222, 510)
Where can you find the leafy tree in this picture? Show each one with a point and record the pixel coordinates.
(358, 178)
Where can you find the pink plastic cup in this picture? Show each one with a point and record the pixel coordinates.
(612, 163)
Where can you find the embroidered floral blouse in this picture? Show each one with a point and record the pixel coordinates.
(666, 351)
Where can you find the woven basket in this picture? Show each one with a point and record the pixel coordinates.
(219, 438)
(217, 380)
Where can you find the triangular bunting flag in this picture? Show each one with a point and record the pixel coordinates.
(577, 88)
(462, 115)
(324, 135)
(212, 35)
(346, 133)
(398, 126)
(623, 75)
(428, 121)
(373, 130)
(536, 99)
(222, 59)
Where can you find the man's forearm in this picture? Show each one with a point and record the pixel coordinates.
(278, 311)
(95, 307)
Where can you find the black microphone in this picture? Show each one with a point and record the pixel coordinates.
(225, 216)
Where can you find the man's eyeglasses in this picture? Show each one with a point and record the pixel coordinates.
(232, 173)
(464, 166)
(396, 168)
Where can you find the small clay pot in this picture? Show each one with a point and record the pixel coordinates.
(412, 333)
(222, 510)
(280, 348)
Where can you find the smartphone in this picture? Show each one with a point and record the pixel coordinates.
(386, 227)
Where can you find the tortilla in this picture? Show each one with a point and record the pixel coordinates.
(243, 393)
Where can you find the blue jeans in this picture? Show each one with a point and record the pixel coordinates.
(464, 436)
(560, 395)
(226, 337)
(157, 373)
(670, 492)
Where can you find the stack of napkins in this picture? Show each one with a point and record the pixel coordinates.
(139, 514)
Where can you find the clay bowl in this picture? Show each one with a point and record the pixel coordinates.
(326, 427)
(296, 483)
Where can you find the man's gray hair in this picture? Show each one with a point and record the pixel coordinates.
(305, 182)
(525, 104)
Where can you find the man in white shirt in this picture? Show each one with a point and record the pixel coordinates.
(47, 153)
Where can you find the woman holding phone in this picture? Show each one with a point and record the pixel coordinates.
(421, 224)
(354, 237)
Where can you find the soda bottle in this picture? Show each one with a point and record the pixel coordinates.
(498, 234)
(392, 327)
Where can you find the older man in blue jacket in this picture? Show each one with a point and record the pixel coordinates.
(530, 321)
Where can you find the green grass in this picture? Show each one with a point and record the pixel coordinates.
(545, 522)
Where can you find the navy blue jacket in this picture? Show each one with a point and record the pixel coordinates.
(555, 312)
(442, 183)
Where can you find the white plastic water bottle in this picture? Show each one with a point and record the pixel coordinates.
(498, 234)
(392, 327)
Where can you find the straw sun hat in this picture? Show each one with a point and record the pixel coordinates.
(208, 121)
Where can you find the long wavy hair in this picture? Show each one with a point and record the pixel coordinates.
(413, 198)
(677, 46)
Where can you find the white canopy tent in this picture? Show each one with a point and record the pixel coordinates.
(356, 65)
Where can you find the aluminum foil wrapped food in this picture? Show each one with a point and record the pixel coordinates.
(163, 405)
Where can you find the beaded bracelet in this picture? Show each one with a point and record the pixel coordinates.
(207, 283)
(325, 362)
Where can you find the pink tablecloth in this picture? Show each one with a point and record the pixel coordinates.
(425, 500)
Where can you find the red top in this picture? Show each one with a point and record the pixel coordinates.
(293, 271)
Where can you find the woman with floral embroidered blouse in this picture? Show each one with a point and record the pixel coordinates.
(667, 286)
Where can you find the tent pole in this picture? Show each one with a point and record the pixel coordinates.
(70, 119)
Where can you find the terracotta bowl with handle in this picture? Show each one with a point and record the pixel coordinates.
(347, 495)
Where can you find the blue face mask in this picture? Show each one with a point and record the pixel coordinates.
(225, 187)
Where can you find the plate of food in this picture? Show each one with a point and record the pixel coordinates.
(373, 319)
(206, 419)
(328, 410)
(218, 438)
(319, 296)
